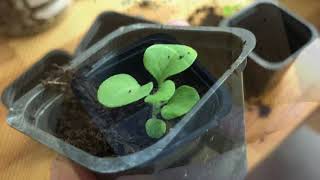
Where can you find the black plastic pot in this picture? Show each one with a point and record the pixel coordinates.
(104, 24)
(28, 80)
(222, 51)
(125, 132)
(281, 36)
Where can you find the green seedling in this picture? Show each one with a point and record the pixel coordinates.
(162, 61)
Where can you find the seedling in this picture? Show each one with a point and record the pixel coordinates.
(161, 61)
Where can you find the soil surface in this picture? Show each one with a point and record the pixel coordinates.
(205, 16)
(74, 125)
(124, 127)
(121, 130)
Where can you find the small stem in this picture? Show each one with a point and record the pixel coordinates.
(155, 110)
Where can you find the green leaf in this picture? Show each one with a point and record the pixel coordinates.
(120, 90)
(182, 102)
(164, 93)
(155, 128)
(165, 60)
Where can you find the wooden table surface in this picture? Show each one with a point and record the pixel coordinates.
(263, 134)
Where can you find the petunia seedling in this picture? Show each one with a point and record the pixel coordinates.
(161, 61)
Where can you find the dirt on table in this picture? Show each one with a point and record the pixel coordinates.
(152, 11)
(145, 4)
(205, 16)
(74, 125)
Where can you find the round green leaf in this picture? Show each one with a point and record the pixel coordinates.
(155, 128)
(164, 93)
(165, 60)
(184, 98)
(120, 90)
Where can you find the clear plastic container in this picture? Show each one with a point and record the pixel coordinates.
(207, 142)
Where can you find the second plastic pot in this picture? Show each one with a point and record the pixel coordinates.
(281, 36)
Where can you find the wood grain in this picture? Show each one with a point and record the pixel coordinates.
(263, 133)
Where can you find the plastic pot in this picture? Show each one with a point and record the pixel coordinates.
(104, 24)
(125, 132)
(222, 51)
(281, 36)
(34, 75)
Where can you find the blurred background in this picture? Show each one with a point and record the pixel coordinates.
(283, 139)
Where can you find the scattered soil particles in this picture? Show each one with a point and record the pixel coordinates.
(145, 4)
(205, 16)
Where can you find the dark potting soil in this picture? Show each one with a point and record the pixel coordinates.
(74, 126)
(73, 123)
